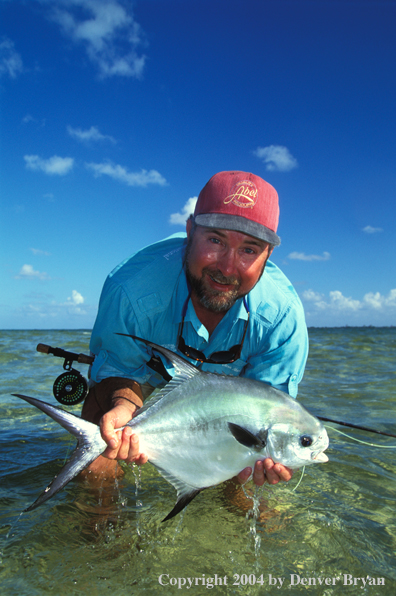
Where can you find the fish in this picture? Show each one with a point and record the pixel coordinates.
(201, 429)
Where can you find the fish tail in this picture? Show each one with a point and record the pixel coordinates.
(89, 446)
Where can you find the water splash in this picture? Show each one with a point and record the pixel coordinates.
(253, 514)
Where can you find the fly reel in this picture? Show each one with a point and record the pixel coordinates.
(70, 388)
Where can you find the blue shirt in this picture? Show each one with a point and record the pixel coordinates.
(145, 295)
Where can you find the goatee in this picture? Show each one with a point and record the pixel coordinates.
(214, 300)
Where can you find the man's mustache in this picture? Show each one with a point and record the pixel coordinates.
(217, 275)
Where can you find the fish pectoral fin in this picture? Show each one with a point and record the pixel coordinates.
(182, 501)
(247, 438)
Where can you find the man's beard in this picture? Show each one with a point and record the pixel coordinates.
(214, 300)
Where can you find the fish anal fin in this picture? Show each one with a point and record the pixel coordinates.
(181, 503)
(247, 438)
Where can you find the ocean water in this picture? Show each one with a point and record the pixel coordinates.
(335, 534)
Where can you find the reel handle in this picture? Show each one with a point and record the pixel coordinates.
(70, 356)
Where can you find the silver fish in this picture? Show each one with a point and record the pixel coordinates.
(200, 430)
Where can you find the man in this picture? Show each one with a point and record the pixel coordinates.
(214, 298)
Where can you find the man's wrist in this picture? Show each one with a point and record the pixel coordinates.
(119, 400)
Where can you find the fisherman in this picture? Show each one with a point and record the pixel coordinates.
(212, 297)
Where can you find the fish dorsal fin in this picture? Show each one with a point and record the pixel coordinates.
(247, 438)
(173, 383)
(185, 492)
(184, 371)
(181, 365)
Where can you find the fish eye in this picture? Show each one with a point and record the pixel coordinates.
(306, 441)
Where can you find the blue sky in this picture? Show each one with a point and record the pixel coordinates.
(114, 114)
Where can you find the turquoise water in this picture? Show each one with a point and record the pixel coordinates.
(340, 520)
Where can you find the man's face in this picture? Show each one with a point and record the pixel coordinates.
(223, 265)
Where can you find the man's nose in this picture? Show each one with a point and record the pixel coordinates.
(227, 263)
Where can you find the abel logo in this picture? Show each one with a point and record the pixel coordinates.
(243, 194)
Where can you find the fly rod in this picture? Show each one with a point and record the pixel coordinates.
(84, 359)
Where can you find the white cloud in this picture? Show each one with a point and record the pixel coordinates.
(300, 256)
(55, 165)
(142, 178)
(336, 309)
(43, 310)
(336, 301)
(371, 230)
(92, 134)
(74, 301)
(188, 209)
(276, 158)
(314, 297)
(28, 118)
(340, 302)
(10, 61)
(27, 272)
(378, 302)
(107, 30)
(76, 298)
(39, 252)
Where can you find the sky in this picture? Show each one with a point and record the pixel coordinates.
(114, 114)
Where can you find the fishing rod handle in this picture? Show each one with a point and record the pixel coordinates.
(82, 358)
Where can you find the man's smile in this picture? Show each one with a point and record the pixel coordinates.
(219, 279)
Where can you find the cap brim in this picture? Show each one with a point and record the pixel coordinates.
(237, 223)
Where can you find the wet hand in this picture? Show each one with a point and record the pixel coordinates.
(268, 471)
(276, 472)
(123, 444)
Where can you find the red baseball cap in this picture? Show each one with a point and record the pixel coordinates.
(242, 202)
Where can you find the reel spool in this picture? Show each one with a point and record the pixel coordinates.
(70, 388)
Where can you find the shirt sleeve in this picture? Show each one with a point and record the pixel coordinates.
(117, 355)
(282, 352)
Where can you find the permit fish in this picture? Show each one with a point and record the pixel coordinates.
(201, 429)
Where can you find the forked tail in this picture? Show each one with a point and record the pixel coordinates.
(89, 446)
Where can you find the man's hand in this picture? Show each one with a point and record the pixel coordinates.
(123, 444)
(268, 471)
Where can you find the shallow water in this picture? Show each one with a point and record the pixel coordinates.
(341, 519)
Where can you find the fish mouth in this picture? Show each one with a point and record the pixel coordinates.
(319, 456)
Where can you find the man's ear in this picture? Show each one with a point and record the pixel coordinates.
(189, 224)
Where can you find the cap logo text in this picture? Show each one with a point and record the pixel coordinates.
(243, 194)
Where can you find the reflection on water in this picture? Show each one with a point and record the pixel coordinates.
(341, 519)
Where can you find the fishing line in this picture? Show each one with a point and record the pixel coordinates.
(69, 447)
(350, 425)
(299, 482)
(359, 441)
